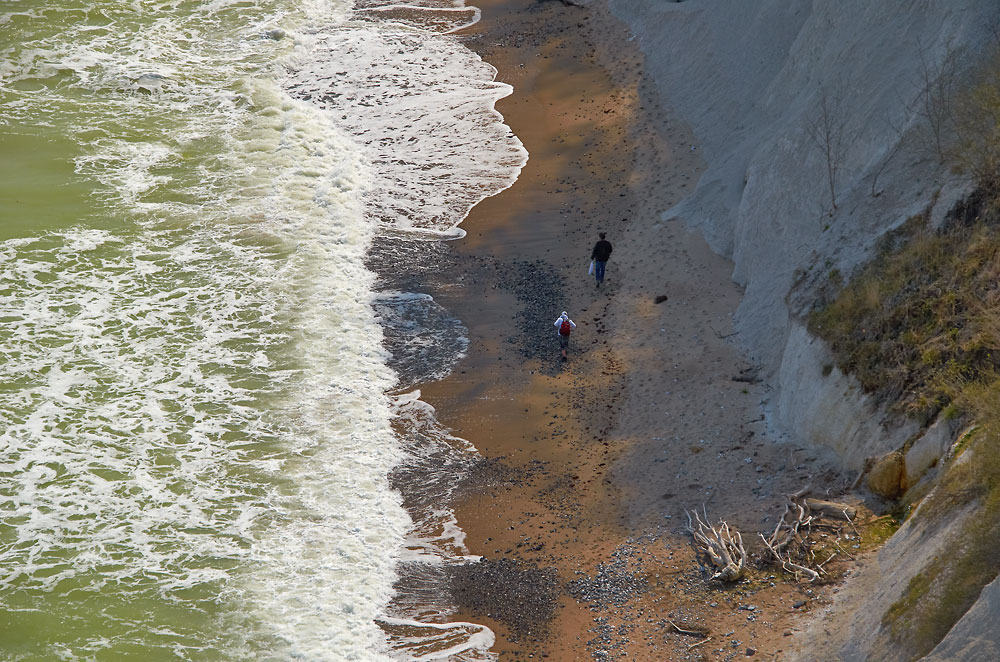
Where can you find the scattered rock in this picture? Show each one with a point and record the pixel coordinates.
(614, 584)
(519, 594)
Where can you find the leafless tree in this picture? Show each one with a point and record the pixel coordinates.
(977, 124)
(935, 99)
(829, 130)
(897, 143)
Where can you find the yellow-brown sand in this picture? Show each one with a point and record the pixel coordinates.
(620, 439)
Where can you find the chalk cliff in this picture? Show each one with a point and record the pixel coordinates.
(753, 79)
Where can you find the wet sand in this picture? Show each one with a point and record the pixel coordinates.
(590, 464)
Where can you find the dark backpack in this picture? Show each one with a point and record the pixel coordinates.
(565, 328)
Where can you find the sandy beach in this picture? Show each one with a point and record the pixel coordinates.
(589, 464)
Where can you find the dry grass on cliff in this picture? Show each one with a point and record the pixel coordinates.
(923, 318)
(920, 327)
(940, 594)
(976, 119)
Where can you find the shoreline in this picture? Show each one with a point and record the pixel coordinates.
(588, 465)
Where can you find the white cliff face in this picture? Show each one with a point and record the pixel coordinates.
(831, 409)
(750, 78)
(974, 638)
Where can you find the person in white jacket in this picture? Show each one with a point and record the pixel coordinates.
(564, 326)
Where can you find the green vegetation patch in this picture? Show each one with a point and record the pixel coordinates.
(942, 592)
(877, 531)
(923, 318)
(920, 327)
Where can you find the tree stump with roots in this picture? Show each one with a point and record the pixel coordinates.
(723, 545)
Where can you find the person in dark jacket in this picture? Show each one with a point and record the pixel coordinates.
(600, 256)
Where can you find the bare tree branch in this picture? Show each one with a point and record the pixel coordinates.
(723, 546)
(829, 131)
(936, 98)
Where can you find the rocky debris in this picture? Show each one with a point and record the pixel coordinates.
(519, 594)
(422, 266)
(569, 3)
(615, 583)
(538, 287)
(488, 474)
(610, 641)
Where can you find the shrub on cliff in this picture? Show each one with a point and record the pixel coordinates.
(923, 318)
(920, 327)
(977, 128)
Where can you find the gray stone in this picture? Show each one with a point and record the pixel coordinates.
(975, 638)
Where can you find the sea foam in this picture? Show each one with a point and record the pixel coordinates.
(196, 432)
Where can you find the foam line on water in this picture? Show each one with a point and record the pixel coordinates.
(445, 20)
(124, 436)
(437, 463)
(423, 111)
(194, 405)
(471, 637)
(424, 340)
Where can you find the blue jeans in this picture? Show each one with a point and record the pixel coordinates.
(599, 270)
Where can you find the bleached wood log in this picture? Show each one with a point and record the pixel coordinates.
(723, 546)
(831, 508)
(788, 565)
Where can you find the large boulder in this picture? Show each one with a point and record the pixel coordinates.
(887, 475)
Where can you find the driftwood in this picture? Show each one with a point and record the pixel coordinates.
(794, 542)
(788, 565)
(800, 493)
(747, 375)
(693, 633)
(786, 532)
(723, 546)
(790, 543)
(831, 508)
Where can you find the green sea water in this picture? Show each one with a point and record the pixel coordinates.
(197, 420)
(38, 187)
(194, 432)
